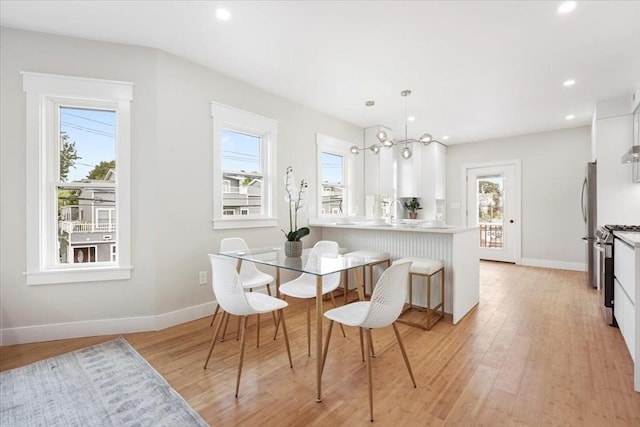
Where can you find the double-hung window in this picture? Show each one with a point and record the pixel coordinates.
(78, 174)
(243, 167)
(335, 177)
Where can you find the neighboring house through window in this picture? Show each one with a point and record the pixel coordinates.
(244, 164)
(78, 174)
(335, 175)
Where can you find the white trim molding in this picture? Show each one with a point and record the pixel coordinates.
(235, 119)
(90, 328)
(44, 94)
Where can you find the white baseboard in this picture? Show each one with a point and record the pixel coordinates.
(559, 265)
(90, 328)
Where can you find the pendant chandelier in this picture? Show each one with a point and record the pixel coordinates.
(386, 142)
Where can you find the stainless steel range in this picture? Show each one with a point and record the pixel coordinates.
(604, 244)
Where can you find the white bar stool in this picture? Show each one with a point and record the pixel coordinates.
(379, 257)
(425, 267)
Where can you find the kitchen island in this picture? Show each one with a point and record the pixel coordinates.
(456, 247)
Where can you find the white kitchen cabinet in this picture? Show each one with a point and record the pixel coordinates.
(423, 176)
(624, 267)
(613, 132)
(624, 311)
(410, 171)
(626, 271)
(378, 168)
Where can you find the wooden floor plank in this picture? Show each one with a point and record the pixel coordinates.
(536, 351)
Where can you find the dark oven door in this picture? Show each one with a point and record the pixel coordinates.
(606, 280)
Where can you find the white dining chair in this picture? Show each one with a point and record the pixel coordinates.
(231, 296)
(304, 286)
(251, 277)
(384, 308)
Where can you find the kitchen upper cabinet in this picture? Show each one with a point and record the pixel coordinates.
(423, 176)
(378, 168)
(617, 195)
(410, 176)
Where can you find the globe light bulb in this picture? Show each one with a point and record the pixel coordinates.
(375, 148)
(406, 153)
(426, 138)
(354, 149)
(387, 143)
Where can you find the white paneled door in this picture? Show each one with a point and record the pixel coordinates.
(493, 205)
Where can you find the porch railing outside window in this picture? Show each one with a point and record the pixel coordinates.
(491, 236)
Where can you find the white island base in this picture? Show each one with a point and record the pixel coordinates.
(457, 248)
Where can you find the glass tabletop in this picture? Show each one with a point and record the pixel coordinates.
(309, 262)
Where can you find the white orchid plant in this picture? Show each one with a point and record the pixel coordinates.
(295, 199)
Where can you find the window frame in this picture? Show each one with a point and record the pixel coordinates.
(338, 147)
(237, 120)
(45, 93)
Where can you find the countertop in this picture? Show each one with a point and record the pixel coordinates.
(631, 238)
(404, 225)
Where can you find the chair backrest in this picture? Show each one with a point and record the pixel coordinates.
(247, 269)
(325, 248)
(227, 286)
(388, 297)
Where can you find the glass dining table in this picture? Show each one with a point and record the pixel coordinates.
(314, 264)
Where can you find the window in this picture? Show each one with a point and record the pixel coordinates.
(335, 175)
(78, 138)
(243, 165)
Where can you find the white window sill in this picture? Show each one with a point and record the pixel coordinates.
(227, 224)
(68, 275)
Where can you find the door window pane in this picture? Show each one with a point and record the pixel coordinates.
(490, 211)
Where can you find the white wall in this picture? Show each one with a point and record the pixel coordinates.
(553, 168)
(171, 185)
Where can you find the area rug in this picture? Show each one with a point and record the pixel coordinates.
(108, 384)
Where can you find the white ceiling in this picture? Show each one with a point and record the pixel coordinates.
(477, 69)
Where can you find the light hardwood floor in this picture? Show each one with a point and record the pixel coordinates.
(535, 352)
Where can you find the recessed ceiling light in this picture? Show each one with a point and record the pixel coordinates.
(411, 118)
(570, 117)
(569, 82)
(566, 7)
(445, 137)
(223, 14)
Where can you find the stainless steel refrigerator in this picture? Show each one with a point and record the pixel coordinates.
(589, 208)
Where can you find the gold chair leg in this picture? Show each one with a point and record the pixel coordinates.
(361, 344)
(308, 328)
(404, 354)
(334, 304)
(428, 302)
(224, 331)
(286, 336)
(242, 339)
(410, 290)
(213, 318)
(238, 329)
(442, 290)
(345, 286)
(326, 345)
(369, 381)
(215, 337)
(275, 335)
(258, 331)
(273, 313)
